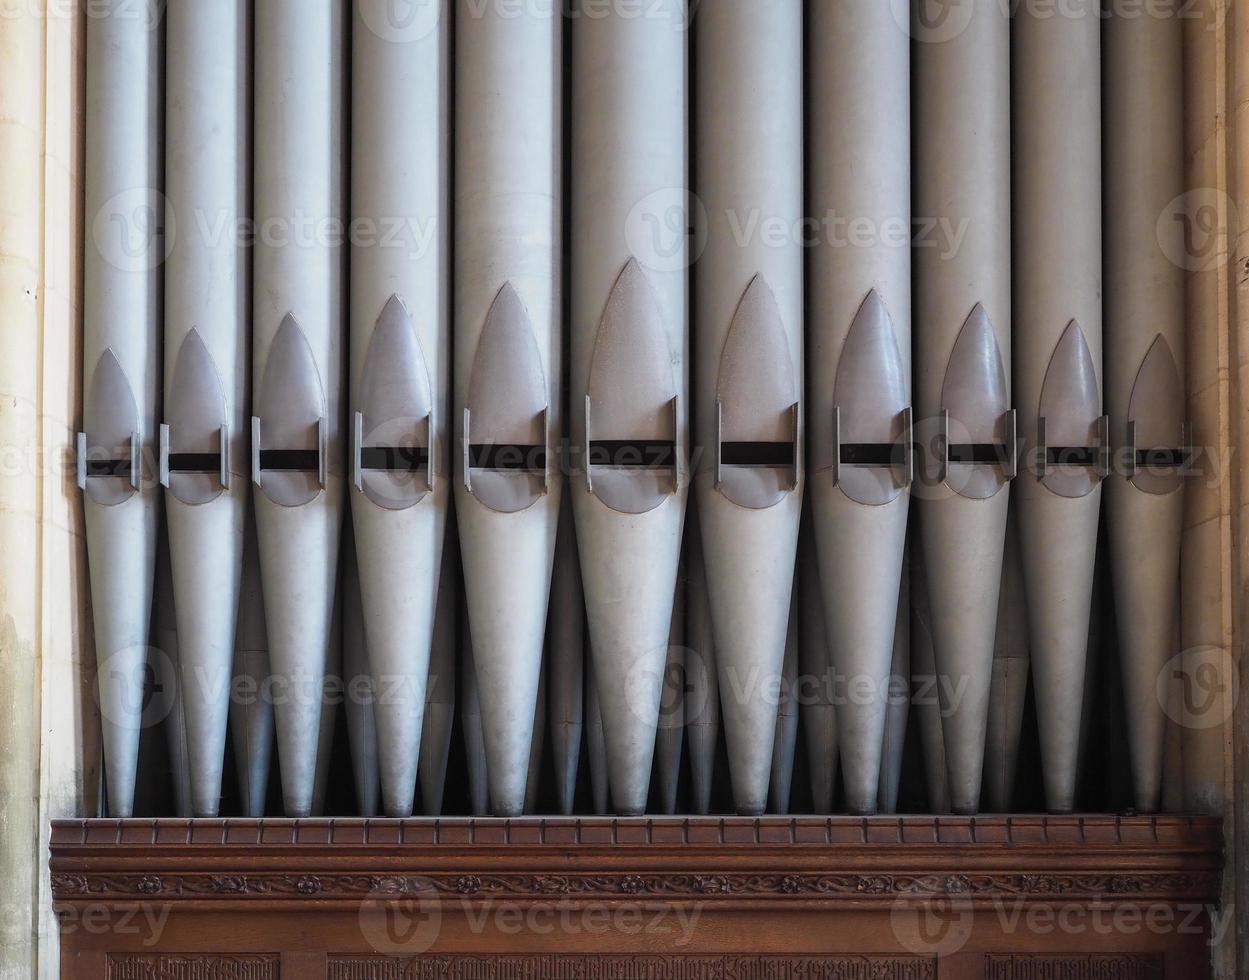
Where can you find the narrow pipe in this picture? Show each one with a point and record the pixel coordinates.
(297, 364)
(507, 399)
(962, 359)
(860, 334)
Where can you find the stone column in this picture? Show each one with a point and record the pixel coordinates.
(21, 150)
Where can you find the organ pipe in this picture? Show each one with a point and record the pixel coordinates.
(121, 351)
(1145, 351)
(962, 362)
(297, 364)
(1064, 436)
(629, 354)
(507, 406)
(860, 341)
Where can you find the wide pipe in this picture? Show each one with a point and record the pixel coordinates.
(629, 356)
(748, 368)
(860, 355)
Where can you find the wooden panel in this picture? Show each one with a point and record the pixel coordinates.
(1011, 898)
(583, 967)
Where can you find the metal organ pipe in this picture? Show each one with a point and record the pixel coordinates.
(507, 362)
(1065, 438)
(203, 441)
(860, 352)
(251, 712)
(1145, 349)
(121, 351)
(565, 653)
(749, 360)
(297, 351)
(1039, 150)
(628, 370)
(400, 362)
(962, 357)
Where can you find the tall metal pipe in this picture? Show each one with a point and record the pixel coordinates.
(440, 690)
(164, 658)
(785, 740)
(702, 688)
(470, 722)
(596, 743)
(670, 737)
(507, 405)
(400, 359)
(898, 712)
(537, 744)
(748, 371)
(359, 692)
(121, 353)
(1009, 691)
(1145, 360)
(203, 441)
(251, 709)
(818, 710)
(860, 352)
(1057, 157)
(297, 362)
(628, 373)
(925, 685)
(963, 356)
(565, 650)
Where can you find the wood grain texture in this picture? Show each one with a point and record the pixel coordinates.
(604, 898)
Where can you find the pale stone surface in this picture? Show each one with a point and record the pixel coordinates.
(21, 142)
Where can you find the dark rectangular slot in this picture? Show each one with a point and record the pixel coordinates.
(394, 459)
(873, 454)
(290, 460)
(108, 467)
(194, 462)
(757, 453)
(1162, 457)
(633, 455)
(978, 454)
(1071, 455)
(495, 457)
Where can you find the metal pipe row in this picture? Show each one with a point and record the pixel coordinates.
(712, 347)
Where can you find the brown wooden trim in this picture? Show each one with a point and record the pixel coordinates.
(817, 897)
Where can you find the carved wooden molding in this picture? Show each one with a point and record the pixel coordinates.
(545, 967)
(1108, 966)
(192, 966)
(710, 860)
(630, 887)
